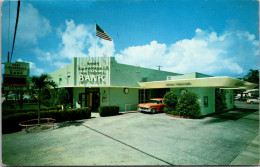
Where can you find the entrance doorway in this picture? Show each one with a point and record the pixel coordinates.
(158, 93)
(90, 98)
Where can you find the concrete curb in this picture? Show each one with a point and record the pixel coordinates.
(250, 155)
(128, 112)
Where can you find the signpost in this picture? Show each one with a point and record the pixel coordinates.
(16, 76)
(15, 79)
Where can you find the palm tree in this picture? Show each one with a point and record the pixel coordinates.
(41, 84)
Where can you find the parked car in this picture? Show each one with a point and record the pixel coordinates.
(153, 106)
(252, 101)
(237, 98)
(11, 97)
(27, 98)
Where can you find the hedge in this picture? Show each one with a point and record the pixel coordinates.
(10, 123)
(109, 110)
(13, 111)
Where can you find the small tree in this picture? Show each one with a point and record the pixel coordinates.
(63, 97)
(170, 101)
(39, 85)
(188, 105)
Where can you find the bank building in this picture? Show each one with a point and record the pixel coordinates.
(98, 81)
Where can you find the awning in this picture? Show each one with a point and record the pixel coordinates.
(217, 82)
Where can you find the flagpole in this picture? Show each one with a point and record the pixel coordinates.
(95, 39)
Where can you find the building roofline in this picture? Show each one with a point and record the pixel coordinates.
(93, 86)
(218, 82)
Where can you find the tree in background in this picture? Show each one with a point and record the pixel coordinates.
(40, 85)
(252, 76)
(54, 97)
(63, 97)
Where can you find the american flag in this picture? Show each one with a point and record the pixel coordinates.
(100, 33)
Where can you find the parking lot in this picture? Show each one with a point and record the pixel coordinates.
(139, 139)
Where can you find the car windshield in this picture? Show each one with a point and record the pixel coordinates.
(155, 101)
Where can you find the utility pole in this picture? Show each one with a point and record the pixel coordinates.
(159, 67)
(16, 24)
(8, 58)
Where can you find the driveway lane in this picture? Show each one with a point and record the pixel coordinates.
(135, 139)
(74, 145)
(173, 148)
(218, 143)
(149, 139)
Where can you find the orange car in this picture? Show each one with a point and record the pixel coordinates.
(153, 106)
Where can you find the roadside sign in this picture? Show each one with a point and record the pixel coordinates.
(16, 76)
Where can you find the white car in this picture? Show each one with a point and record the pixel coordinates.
(252, 101)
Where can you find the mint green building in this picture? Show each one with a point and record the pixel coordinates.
(98, 81)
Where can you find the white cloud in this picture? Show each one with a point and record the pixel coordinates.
(230, 53)
(207, 52)
(76, 41)
(43, 56)
(34, 70)
(31, 25)
(142, 55)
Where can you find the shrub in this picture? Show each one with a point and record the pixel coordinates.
(58, 107)
(170, 101)
(108, 110)
(220, 100)
(68, 115)
(13, 111)
(11, 122)
(46, 102)
(188, 105)
(170, 111)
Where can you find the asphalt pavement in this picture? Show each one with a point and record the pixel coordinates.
(139, 139)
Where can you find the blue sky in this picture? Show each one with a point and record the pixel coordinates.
(216, 37)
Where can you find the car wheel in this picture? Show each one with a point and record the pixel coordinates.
(153, 111)
(251, 102)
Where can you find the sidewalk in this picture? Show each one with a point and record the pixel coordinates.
(250, 155)
(96, 114)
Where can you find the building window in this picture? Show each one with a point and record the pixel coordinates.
(60, 80)
(143, 96)
(68, 79)
(206, 101)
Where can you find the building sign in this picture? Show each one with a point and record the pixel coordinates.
(16, 76)
(93, 71)
(16, 68)
(179, 84)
